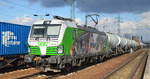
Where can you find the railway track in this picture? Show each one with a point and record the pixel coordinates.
(37, 77)
(105, 70)
(108, 69)
(140, 69)
(132, 69)
(43, 75)
(19, 73)
(29, 73)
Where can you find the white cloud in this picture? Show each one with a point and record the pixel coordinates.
(112, 25)
(108, 25)
(23, 20)
(128, 27)
(146, 15)
(78, 21)
(144, 26)
(139, 28)
(145, 22)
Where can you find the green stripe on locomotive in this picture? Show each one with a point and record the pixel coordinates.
(35, 50)
(69, 40)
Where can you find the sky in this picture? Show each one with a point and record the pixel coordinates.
(134, 14)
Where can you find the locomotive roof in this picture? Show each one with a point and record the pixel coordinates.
(91, 29)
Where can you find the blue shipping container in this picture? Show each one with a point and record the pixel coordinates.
(13, 39)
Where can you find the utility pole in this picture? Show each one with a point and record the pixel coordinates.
(119, 24)
(72, 8)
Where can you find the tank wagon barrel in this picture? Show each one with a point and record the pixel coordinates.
(123, 42)
(116, 41)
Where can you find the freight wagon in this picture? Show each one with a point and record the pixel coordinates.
(13, 43)
(60, 44)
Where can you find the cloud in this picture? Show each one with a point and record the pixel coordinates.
(22, 20)
(49, 3)
(144, 26)
(114, 6)
(3, 4)
(32, 1)
(145, 22)
(78, 21)
(128, 27)
(136, 28)
(107, 25)
(106, 6)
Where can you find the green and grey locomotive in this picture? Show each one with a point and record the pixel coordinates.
(61, 43)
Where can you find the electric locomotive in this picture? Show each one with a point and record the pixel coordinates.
(60, 44)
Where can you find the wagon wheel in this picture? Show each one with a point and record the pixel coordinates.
(67, 68)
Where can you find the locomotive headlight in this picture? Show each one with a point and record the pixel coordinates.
(60, 49)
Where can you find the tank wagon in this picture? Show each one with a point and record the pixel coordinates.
(13, 43)
(60, 44)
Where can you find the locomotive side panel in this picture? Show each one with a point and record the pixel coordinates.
(86, 43)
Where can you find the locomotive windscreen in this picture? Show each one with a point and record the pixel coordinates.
(53, 30)
(38, 31)
(45, 31)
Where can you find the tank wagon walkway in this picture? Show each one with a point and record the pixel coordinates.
(147, 69)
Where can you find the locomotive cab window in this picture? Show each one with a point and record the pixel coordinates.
(38, 31)
(53, 30)
(46, 31)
